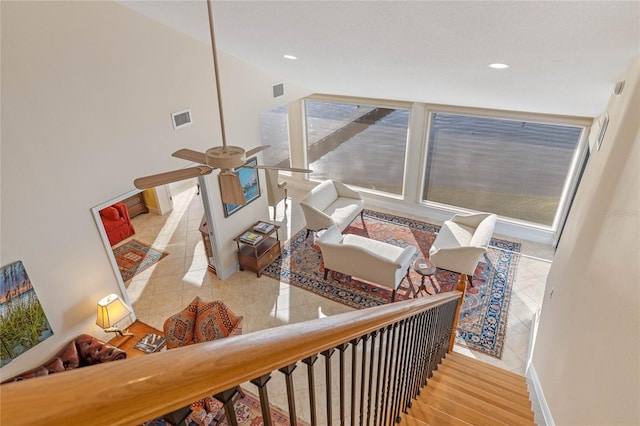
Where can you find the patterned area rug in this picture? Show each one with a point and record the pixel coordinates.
(483, 317)
(134, 257)
(248, 412)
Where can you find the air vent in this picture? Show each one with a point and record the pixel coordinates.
(618, 89)
(181, 119)
(278, 90)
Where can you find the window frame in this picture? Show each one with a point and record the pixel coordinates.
(369, 102)
(570, 183)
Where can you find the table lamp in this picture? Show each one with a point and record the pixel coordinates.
(111, 310)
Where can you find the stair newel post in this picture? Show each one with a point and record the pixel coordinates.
(327, 376)
(312, 387)
(379, 374)
(226, 397)
(342, 348)
(460, 286)
(291, 400)
(354, 364)
(371, 364)
(261, 383)
(363, 376)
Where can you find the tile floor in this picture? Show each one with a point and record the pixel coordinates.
(171, 284)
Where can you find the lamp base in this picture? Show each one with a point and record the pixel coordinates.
(117, 330)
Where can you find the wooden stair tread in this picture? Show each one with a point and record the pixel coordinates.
(441, 396)
(453, 356)
(460, 411)
(484, 374)
(521, 407)
(412, 421)
(431, 415)
(488, 383)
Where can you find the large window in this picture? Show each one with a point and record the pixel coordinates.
(515, 169)
(359, 145)
(274, 131)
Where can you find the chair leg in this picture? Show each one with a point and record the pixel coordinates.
(308, 232)
(362, 216)
(393, 296)
(470, 279)
(326, 271)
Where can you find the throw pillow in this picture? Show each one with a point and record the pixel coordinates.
(178, 329)
(214, 321)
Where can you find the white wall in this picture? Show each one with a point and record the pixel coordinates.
(588, 343)
(246, 91)
(87, 92)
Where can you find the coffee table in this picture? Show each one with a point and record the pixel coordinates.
(425, 268)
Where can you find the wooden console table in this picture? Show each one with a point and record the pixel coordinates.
(256, 257)
(127, 343)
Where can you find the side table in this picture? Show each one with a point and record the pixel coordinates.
(127, 343)
(425, 268)
(256, 257)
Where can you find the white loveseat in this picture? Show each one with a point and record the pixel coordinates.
(461, 243)
(331, 203)
(376, 261)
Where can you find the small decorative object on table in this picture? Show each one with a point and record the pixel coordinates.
(251, 237)
(150, 343)
(263, 227)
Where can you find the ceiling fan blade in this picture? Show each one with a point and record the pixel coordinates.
(231, 188)
(285, 169)
(256, 150)
(169, 177)
(191, 155)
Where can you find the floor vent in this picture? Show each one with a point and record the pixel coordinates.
(278, 90)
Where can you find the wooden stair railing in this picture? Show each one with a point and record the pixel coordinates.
(401, 343)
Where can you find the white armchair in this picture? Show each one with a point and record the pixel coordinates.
(371, 260)
(331, 203)
(276, 191)
(461, 242)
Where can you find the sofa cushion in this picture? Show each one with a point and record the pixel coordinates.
(322, 196)
(386, 250)
(179, 328)
(343, 211)
(452, 235)
(213, 321)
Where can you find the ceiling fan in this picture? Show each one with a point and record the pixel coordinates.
(225, 157)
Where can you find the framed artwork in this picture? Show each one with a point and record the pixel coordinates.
(250, 186)
(23, 323)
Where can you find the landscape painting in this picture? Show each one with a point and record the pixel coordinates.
(23, 323)
(250, 185)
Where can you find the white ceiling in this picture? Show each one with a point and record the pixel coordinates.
(565, 57)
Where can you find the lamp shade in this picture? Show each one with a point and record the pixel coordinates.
(111, 310)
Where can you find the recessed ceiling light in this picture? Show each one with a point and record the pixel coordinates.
(293, 58)
(498, 66)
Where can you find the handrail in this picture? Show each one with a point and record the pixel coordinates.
(142, 388)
